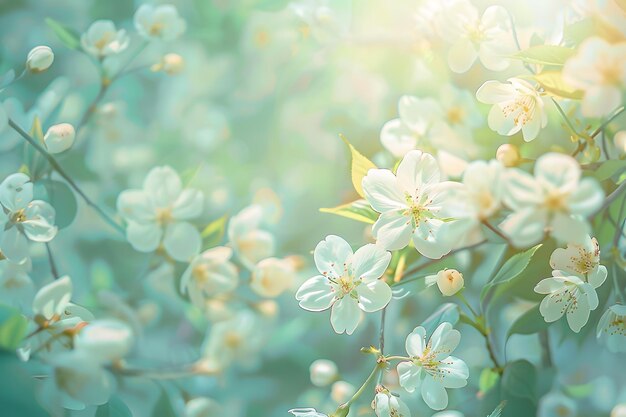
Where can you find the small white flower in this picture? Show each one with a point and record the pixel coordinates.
(349, 282)
(323, 372)
(487, 38)
(306, 412)
(413, 204)
(580, 259)
(479, 199)
(51, 300)
(159, 22)
(387, 405)
(247, 239)
(272, 276)
(159, 213)
(599, 69)
(516, 106)
(104, 340)
(103, 39)
(39, 59)
(237, 339)
(556, 404)
(16, 287)
(59, 137)
(209, 274)
(612, 328)
(417, 115)
(569, 295)
(22, 218)
(77, 381)
(431, 368)
(555, 200)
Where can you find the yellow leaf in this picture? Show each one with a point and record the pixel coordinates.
(359, 167)
(358, 210)
(553, 83)
(35, 130)
(213, 232)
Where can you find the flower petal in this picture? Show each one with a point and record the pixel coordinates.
(434, 393)
(409, 375)
(316, 294)
(331, 255)
(370, 262)
(382, 191)
(182, 241)
(345, 315)
(373, 296)
(392, 230)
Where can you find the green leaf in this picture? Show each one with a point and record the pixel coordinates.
(359, 167)
(498, 411)
(545, 55)
(13, 327)
(61, 197)
(580, 390)
(448, 312)
(114, 408)
(359, 210)
(553, 83)
(17, 388)
(488, 379)
(68, 36)
(610, 168)
(511, 269)
(528, 323)
(214, 232)
(519, 379)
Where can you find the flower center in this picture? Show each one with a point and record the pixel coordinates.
(610, 71)
(201, 273)
(455, 115)
(522, 108)
(232, 340)
(18, 216)
(475, 33)
(555, 201)
(415, 211)
(156, 28)
(262, 38)
(164, 215)
(617, 326)
(103, 41)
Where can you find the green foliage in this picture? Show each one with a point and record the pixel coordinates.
(13, 327)
(69, 37)
(17, 389)
(358, 210)
(488, 379)
(512, 269)
(213, 233)
(528, 323)
(610, 168)
(519, 380)
(61, 197)
(114, 408)
(448, 312)
(545, 55)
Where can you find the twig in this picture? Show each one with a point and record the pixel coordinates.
(53, 266)
(57, 167)
(610, 198)
(497, 231)
(434, 261)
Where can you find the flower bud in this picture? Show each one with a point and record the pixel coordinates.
(323, 372)
(39, 59)
(619, 410)
(173, 64)
(508, 155)
(271, 277)
(619, 140)
(105, 339)
(449, 281)
(59, 137)
(341, 391)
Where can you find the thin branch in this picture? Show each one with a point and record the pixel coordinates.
(434, 261)
(497, 231)
(610, 198)
(53, 266)
(57, 167)
(599, 129)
